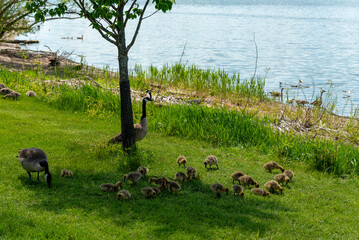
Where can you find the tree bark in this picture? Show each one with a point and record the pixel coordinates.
(128, 131)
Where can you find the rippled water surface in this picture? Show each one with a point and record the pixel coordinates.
(315, 41)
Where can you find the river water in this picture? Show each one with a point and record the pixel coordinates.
(314, 41)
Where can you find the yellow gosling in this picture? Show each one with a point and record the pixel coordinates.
(211, 160)
(281, 178)
(259, 191)
(289, 174)
(272, 165)
(247, 181)
(66, 173)
(123, 195)
(110, 187)
(181, 160)
(143, 170)
(273, 186)
(236, 175)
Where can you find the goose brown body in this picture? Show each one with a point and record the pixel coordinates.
(272, 165)
(289, 174)
(218, 188)
(247, 181)
(259, 191)
(236, 175)
(273, 186)
(281, 178)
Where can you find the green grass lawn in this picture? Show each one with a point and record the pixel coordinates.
(314, 206)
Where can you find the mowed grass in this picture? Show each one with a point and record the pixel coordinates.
(314, 206)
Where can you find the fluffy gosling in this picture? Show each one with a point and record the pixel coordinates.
(273, 186)
(123, 195)
(133, 177)
(248, 180)
(259, 191)
(13, 95)
(238, 190)
(281, 178)
(66, 173)
(272, 165)
(31, 94)
(110, 187)
(191, 172)
(181, 160)
(180, 177)
(157, 181)
(143, 170)
(218, 188)
(148, 192)
(171, 185)
(289, 174)
(2, 86)
(211, 160)
(236, 175)
(4, 91)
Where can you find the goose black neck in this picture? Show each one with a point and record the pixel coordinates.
(144, 101)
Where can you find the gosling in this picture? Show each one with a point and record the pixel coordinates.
(110, 187)
(181, 160)
(123, 195)
(218, 188)
(157, 181)
(211, 160)
(180, 177)
(272, 165)
(66, 173)
(133, 177)
(259, 191)
(31, 94)
(172, 186)
(236, 175)
(248, 180)
(281, 178)
(143, 170)
(238, 190)
(4, 91)
(273, 186)
(2, 86)
(148, 192)
(13, 95)
(289, 174)
(191, 173)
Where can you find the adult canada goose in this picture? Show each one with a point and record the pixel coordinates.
(318, 101)
(218, 188)
(272, 165)
(35, 160)
(66, 173)
(140, 128)
(110, 187)
(14, 95)
(181, 160)
(211, 160)
(123, 194)
(31, 94)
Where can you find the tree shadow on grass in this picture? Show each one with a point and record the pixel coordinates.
(194, 211)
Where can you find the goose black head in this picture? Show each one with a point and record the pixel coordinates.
(48, 178)
(148, 98)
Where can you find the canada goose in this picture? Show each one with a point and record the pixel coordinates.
(211, 160)
(140, 128)
(14, 95)
(272, 165)
(123, 194)
(31, 94)
(133, 177)
(277, 94)
(218, 188)
(280, 178)
(247, 180)
(143, 170)
(110, 187)
(35, 160)
(5, 91)
(301, 102)
(148, 192)
(318, 101)
(238, 190)
(289, 174)
(172, 186)
(80, 37)
(259, 191)
(180, 177)
(66, 173)
(191, 172)
(272, 186)
(2, 86)
(236, 175)
(181, 160)
(157, 181)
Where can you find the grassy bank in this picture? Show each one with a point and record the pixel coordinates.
(314, 206)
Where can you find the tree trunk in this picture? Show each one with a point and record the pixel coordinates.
(128, 131)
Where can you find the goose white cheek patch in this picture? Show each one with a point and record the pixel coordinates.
(45, 176)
